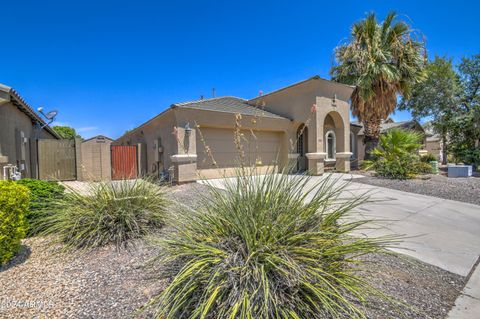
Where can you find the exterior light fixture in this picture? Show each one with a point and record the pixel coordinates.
(188, 130)
(334, 100)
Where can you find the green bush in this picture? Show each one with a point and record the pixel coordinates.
(107, 212)
(399, 168)
(395, 157)
(469, 156)
(260, 250)
(14, 203)
(429, 157)
(422, 168)
(43, 196)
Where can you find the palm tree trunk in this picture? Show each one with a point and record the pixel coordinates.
(371, 135)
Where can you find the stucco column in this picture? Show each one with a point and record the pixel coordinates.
(185, 161)
(316, 163)
(343, 161)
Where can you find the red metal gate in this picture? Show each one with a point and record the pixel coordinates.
(124, 161)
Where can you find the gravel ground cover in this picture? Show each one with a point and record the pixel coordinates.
(460, 189)
(42, 282)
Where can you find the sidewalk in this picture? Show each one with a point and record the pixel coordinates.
(467, 305)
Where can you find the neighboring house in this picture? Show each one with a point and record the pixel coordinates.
(95, 158)
(306, 125)
(433, 144)
(20, 128)
(358, 134)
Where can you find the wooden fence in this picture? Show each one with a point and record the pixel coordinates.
(56, 159)
(124, 162)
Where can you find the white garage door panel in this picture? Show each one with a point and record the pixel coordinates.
(264, 147)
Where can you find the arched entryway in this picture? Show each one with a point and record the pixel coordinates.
(302, 148)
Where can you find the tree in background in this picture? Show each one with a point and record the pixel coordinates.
(451, 99)
(465, 133)
(382, 61)
(437, 98)
(66, 132)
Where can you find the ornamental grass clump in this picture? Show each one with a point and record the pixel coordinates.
(110, 212)
(268, 246)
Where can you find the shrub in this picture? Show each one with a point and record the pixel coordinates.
(422, 168)
(259, 249)
(429, 157)
(395, 156)
(13, 206)
(43, 196)
(469, 156)
(107, 212)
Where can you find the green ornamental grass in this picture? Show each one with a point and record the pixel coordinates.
(273, 246)
(109, 212)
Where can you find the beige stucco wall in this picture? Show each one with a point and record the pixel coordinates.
(155, 133)
(96, 159)
(13, 149)
(266, 139)
(296, 103)
(434, 147)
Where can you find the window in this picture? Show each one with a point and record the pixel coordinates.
(331, 141)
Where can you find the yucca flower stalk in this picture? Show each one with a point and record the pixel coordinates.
(266, 246)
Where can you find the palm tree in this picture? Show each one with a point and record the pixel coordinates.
(382, 61)
(397, 143)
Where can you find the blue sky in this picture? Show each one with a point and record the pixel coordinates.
(108, 66)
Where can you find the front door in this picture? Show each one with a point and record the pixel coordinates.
(302, 143)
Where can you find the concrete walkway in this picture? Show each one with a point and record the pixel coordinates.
(467, 306)
(440, 232)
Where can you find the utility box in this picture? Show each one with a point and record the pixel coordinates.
(460, 170)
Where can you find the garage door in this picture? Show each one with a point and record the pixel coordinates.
(263, 148)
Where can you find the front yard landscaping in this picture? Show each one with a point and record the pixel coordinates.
(460, 189)
(108, 282)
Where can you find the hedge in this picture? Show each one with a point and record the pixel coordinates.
(43, 198)
(14, 202)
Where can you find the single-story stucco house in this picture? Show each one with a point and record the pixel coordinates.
(20, 128)
(305, 126)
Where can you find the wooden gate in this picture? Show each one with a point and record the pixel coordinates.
(124, 162)
(56, 159)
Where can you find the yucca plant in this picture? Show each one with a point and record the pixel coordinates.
(108, 212)
(271, 246)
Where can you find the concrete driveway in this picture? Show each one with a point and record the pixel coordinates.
(441, 232)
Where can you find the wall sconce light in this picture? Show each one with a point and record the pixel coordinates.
(188, 130)
(334, 100)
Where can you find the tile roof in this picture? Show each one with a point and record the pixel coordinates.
(227, 104)
(387, 126)
(26, 108)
